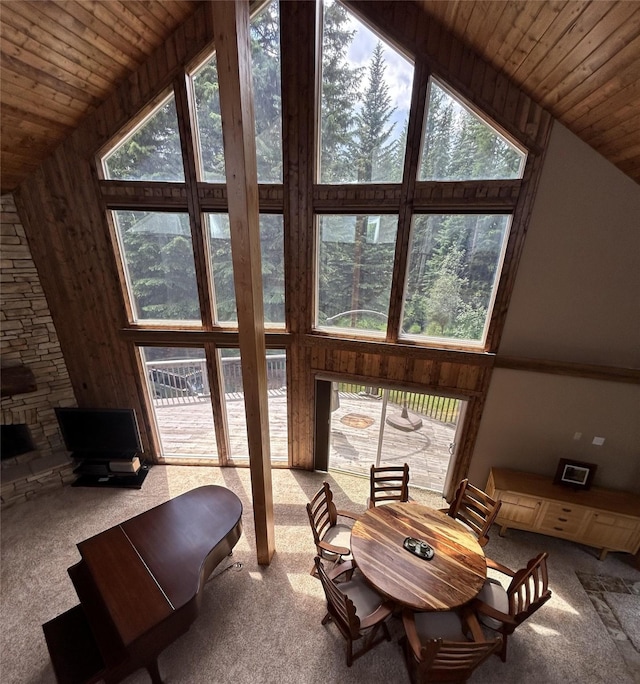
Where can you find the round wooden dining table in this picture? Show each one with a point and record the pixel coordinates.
(454, 575)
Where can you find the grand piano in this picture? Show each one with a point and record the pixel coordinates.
(140, 585)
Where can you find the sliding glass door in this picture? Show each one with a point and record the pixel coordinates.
(376, 426)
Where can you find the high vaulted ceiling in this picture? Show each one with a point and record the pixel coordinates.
(579, 60)
(59, 59)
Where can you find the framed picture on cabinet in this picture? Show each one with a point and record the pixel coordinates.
(575, 474)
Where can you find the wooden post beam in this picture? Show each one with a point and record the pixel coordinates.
(231, 36)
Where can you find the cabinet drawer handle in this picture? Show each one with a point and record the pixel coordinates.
(562, 519)
(560, 529)
(566, 510)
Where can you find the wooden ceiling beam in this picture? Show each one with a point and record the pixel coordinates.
(233, 54)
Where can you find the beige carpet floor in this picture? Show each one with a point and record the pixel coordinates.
(262, 624)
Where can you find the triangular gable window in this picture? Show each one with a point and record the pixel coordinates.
(459, 145)
(152, 151)
(365, 98)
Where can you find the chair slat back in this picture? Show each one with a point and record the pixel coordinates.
(529, 588)
(322, 512)
(389, 483)
(474, 508)
(339, 605)
(453, 661)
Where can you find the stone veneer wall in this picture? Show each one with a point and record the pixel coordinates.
(28, 336)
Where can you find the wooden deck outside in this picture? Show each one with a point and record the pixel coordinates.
(187, 431)
(354, 449)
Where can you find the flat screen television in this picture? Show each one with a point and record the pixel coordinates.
(100, 433)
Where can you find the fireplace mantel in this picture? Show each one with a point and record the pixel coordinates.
(17, 380)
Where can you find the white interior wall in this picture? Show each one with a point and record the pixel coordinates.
(576, 299)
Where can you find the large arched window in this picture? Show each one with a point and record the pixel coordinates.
(448, 285)
(175, 254)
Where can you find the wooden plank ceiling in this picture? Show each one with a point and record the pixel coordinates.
(579, 60)
(60, 58)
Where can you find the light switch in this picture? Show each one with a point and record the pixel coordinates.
(598, 441)
(577, 436)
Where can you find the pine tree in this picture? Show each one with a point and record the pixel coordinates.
(438, 143)
(272, 250)
(207, 102)
(399, 152)
(159, 257)
(265, 68)
(340, 84)
(373, 154)
(153, 152)
(371, 147)
(444, 300)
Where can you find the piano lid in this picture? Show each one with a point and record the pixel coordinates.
(175, 538)
(123, 580)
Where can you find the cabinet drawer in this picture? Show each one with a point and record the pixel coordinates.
(560, 518)
(518, 509)
(614, 521)
(611, 531)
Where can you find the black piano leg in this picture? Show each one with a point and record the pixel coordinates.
(154, 672)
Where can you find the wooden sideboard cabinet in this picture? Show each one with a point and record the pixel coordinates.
(604, 518)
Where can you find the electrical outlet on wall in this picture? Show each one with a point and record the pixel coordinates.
(598, 441)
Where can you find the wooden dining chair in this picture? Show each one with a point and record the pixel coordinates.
(502, 610)
(358, 611)
(475, 509)
(388, 483)
(332, 538)
(444, 646)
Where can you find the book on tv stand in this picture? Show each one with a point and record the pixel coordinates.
(110, 470)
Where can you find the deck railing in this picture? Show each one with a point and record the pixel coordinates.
(186, 381)
(443, 409)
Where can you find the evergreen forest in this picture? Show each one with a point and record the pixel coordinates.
(454, 258)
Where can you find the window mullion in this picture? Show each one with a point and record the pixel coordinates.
(199, 239)
(410, 173)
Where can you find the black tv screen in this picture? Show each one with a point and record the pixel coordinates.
(101, 433)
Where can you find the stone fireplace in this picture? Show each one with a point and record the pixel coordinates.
(15, 439)
(39, 468)
(34, 375)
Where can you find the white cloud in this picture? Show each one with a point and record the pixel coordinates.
(398, 72)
